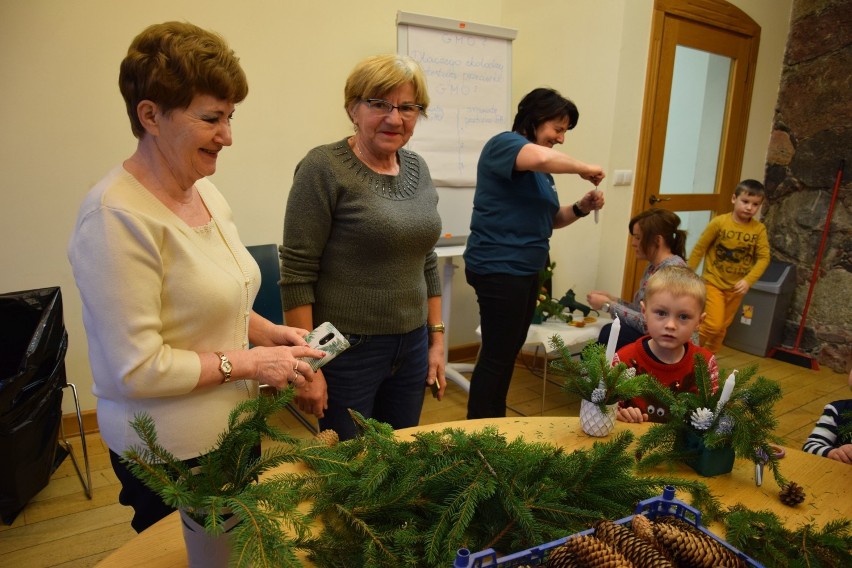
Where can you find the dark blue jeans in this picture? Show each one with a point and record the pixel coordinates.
(380, 376)
(506, 308)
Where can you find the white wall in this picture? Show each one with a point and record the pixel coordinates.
(64, 123)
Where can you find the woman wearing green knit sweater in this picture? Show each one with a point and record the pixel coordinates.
(359, 237)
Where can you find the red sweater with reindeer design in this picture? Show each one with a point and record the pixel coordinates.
(679, 377)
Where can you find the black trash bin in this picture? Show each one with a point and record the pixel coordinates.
(759, 323)
(33, 342)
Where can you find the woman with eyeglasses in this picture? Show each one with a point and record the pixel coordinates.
(515, 209)
(655, 237)
(359, 236)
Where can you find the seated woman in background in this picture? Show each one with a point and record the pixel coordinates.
(657, 239)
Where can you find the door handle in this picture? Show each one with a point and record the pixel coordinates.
(654, 199)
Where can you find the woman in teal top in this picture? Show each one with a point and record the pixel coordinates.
(515, 209)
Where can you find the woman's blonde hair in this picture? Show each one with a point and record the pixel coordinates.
(677, 281)
(376, 76)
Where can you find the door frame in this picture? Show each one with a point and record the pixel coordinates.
(724, 17)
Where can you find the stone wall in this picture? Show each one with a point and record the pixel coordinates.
(812, 133)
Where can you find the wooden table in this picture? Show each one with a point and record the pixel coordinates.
(825, 481)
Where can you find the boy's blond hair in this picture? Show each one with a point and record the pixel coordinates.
(677, 281)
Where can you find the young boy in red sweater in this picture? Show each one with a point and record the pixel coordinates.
(673, 308)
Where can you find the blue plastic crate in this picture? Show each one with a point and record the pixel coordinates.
(664, 505)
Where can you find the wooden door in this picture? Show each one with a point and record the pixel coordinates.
(697, 97)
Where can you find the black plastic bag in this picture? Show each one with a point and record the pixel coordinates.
(33, 342)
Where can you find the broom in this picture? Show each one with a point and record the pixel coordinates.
(794, 356)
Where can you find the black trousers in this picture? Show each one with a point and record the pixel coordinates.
(506, 308)
(626, 336)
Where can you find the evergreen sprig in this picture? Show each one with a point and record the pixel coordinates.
(385, 502)
(225, 483)
(745, 422)
(765, 538)
(844, 428)
(592, 378)
(546, 306)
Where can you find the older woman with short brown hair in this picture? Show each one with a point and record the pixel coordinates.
(167, 285)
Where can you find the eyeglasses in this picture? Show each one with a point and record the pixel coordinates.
(381, 106)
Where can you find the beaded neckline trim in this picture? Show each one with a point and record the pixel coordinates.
(399, 187)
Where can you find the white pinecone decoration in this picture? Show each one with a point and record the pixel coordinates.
(629, 373)
(701, 418)
(598, 395)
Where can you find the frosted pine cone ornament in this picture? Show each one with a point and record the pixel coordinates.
(701, 418)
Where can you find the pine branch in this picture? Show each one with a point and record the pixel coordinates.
(226, 482)
(450, 489)
(763, 536)
(592, 378)
(745, 422)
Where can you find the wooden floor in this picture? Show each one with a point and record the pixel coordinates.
(60, 527)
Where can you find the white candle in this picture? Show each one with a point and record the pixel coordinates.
(596, 210)
(614, 330)
(730, 382)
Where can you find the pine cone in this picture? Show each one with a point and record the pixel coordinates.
(563, 557)
(328, 437)
(643, 529)
(635, 549)
(587, 551)
(679, 524)
(792, 494)
(695, 550)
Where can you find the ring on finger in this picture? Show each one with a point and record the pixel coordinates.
(296, 367)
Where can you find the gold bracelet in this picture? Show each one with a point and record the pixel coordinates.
(436, 328)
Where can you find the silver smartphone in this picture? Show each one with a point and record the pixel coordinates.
(325, 337)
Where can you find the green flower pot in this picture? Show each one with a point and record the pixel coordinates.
(707, 462)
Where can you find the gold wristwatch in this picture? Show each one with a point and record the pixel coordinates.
(436, 328)
(225, 366)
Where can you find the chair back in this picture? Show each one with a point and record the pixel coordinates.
(268, 301)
